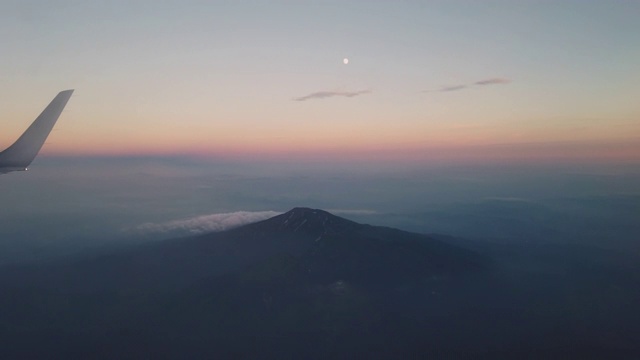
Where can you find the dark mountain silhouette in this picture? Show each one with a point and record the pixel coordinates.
(308, 284)
(328, 243)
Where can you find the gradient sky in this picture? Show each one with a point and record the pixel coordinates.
(426, 79)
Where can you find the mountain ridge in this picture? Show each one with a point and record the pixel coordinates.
(298, 232)
(309, 284)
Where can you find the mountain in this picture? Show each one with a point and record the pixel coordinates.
(304, 269)
(308, 284)
(344, 288)
(328, 243)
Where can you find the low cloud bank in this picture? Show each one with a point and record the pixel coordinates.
(352, 211)
(204, 224)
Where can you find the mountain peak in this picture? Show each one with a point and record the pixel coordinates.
(308, 212)
(310, 221)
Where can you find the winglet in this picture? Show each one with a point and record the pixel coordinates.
(19, 155)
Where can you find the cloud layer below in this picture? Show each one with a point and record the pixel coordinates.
(204, 224)
(352, 211)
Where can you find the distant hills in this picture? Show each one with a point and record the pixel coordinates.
(303, 284)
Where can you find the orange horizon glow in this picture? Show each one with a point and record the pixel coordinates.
(266, 88)
(551, 151)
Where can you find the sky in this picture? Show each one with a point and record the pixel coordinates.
(426, 81)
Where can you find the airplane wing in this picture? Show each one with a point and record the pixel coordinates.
(19, 155)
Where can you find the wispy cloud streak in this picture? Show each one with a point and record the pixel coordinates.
(204, 224)
(452, 88)
(493, 81)
(352, 211)
(328, 94)
(485, 82)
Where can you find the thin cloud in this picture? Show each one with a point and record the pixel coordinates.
(204, 224)
(328, 94)
(452, 88)
(485, 82)
(352, 211)
(493, 81)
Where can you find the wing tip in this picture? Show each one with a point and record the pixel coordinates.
(66, 92)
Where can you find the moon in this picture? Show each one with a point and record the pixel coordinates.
(345, 61)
